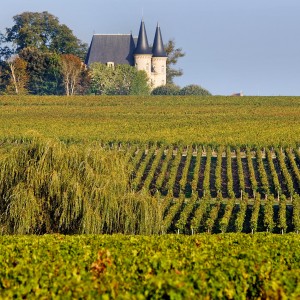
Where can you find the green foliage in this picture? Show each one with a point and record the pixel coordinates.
(168, 89)
(46, 186)
(282, 214)
(139, 85)
(195, 90)
(173, 54)
(255, 213)
(117, 80)
(224, 222)
(43, 68)
(181, 120)
(269, 213)
(199, 214)
(44, 32)
(262, 173)
(241, 215)
(296, 213)
(213, 215)
(218, 181)
(231, 266)
(286, 175)
(240, 170)
(206, 180)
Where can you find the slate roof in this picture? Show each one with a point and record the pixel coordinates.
(158, 48)
(117, 48)
(142, 46)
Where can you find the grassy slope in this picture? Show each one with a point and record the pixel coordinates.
(210, 120)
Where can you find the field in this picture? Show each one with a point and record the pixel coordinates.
(148, 168)
(253, 121)
(231, 266)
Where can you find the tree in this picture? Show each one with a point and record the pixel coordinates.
(5, 51)
(71, 67)
(139, 85)
(194, 89)
(18, 76)
(84, 82)
(117, 80)
(44, 69)
(173, 55)
(168, 89)
(43, 32)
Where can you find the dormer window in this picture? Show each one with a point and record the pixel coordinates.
(110, 64)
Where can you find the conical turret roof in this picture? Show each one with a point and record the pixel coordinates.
(158, 48)
(142, 46)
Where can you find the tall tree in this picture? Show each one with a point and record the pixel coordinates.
(44, 71)
(71, 67)
(5, 51)
(43, 32)
(173, 55)
(18, 76)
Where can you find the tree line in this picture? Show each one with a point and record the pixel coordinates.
(41, 56)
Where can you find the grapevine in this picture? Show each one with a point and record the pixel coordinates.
(229, 174)
(282, 214)
(268, 214)
(226, 217)
(206, 180)
(262, 173)
(240, 219)
(255, 213)
(162, 175)
(240, 171)
(185, 171)
(273, 172)
(251, 172)
(195, 178)
(285, 172)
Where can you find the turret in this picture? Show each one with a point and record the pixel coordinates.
(143, 53)
(159, 60)
(158, 49)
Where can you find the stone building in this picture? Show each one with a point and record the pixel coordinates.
(112, 49)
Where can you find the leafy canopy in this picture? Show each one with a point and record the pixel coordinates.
(173, 55)
(44, 32)
(118, 80)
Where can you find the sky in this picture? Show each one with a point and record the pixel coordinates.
(230, 46)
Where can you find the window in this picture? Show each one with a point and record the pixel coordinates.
(110, 64)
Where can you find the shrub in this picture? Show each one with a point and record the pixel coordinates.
(169, 89)
(194, 89)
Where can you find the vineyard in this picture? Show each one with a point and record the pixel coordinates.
(227, 185)
(47, 186)
(149, 165)
(131, 197)
(229, 172)
(231, 266)
(247, 121)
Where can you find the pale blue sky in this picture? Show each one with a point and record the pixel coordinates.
(231, 46)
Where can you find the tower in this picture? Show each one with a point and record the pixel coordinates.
(143, 53)
(159, 60)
